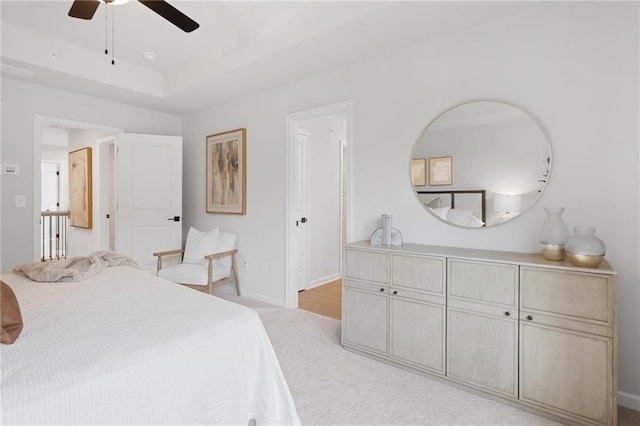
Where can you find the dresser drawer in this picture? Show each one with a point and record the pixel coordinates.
(483, 282)
(418, 273)
(567, 294)
(366, 265)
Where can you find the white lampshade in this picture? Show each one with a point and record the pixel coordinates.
(507, 203)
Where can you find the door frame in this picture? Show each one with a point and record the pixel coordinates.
(106, 182)
(38, 121)
(343, 109)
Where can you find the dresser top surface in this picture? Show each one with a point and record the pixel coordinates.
(525, 259)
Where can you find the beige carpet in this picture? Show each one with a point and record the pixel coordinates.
(331, 386)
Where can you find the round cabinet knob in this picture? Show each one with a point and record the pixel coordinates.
(529, 317)
(382, 290)
(507, 314)
(395, 292)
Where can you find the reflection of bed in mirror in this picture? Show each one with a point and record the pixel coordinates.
(459, 207)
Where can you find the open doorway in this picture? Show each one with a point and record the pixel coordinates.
(54, 138)
(317, 207)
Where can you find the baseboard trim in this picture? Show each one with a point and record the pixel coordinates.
(629, 400)
(323, 280)
(262, 298)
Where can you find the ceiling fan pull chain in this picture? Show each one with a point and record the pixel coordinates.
(106, 25)
(113, 35)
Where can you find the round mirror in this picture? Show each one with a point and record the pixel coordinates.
(480, 164)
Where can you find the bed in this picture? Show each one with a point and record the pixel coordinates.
(461, 207)
(126, 347)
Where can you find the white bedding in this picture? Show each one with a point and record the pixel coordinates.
(127, 347)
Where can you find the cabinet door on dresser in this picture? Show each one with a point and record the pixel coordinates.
(365, 300)
(365, 316)
(566, 343)
(417, 333)
(417, 309)
(366, 266)
(420, 273)
(566, 370)
(482, 325)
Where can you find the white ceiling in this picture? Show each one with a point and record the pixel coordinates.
(240, 46)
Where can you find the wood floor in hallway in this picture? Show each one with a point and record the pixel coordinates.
(325, 299)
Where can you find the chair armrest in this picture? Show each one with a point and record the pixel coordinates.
(221, 254)
(165, 253)
(168, 252)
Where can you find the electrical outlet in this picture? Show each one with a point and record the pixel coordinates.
(245, 264)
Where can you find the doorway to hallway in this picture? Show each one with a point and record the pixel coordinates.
(324, 300)
(317, 197)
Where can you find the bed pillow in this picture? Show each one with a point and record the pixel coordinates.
(11, 317)
(464, 217)
(441, 212)
(436, 203)
(200, 244)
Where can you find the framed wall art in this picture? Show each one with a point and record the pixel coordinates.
(226, 172)
(419, 171)
(440, 171)
(80, 189)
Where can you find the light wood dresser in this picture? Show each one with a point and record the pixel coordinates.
(537, 333)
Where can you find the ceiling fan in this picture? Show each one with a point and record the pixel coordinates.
(85, 9)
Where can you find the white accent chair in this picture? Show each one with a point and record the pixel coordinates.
(208, 261)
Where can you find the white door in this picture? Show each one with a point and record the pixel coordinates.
(149, 196)
(50, 186)
(300, 190)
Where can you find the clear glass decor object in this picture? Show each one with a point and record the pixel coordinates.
(554, 234)
(584, 248)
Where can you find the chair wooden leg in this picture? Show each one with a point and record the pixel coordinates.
(210, 276)
(234, 266)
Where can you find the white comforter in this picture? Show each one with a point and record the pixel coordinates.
(127, 347)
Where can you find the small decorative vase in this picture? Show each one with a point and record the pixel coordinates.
(554, 234)
(584, 248)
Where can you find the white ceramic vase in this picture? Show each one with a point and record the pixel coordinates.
(584, 248)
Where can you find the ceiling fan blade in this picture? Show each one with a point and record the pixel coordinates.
(171, 14)
(84, 9)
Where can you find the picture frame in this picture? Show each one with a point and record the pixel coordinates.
(419, 171)
(226, 172)
(440, 171)
(80, 188)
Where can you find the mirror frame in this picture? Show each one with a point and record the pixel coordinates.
(544, 178)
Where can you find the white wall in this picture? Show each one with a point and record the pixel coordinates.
(573, 66)
(323, 150)
(23, 101)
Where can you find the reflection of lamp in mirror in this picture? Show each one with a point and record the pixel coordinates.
(508, 205)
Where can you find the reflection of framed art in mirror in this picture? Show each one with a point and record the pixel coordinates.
(419, 171)
(440, 171)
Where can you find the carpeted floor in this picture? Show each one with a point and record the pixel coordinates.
(332, 386)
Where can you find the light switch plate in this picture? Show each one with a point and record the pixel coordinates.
(21, 201)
